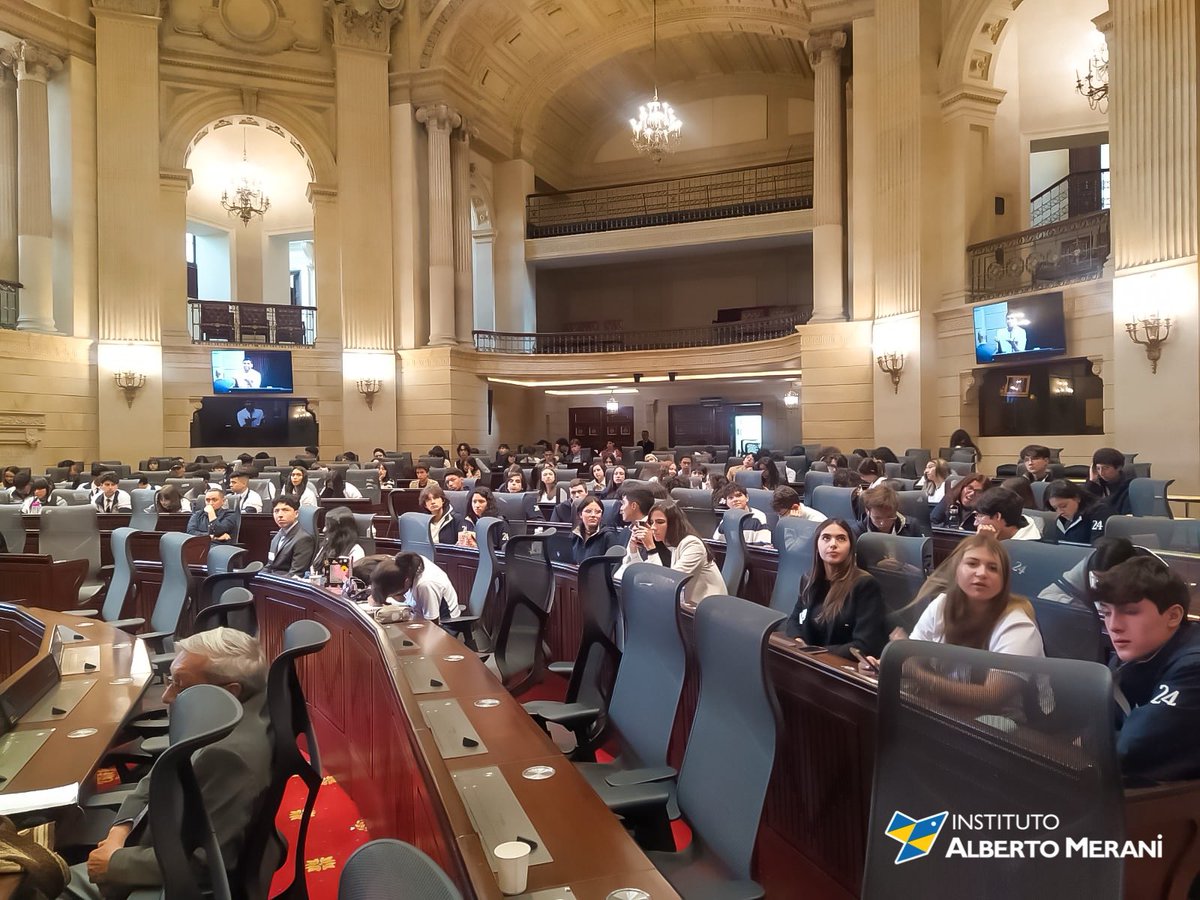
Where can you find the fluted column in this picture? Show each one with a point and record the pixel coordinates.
(460, 176)
(829, 216)
(33, 66)
(439, 120)
(8, 175)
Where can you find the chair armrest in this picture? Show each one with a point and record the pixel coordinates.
(564, 668)
(148, 727)
(106, 572)
(215, 609)
(638, 799)
(569, 715)
(127, 624)
(160, 662)
(460, 625)
(156, 639)
(640, 776)
(109, 799)
(83, 613)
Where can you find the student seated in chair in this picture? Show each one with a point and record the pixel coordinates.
(1107, 481)
(232, 773)
(411, 580)
(786, 502)
(292, 548)
(213, 519)
(240, 497)
(1157, 670)
(733, 496)
(998, 512)
(1036, 465)
(881, 514)
(111, 499)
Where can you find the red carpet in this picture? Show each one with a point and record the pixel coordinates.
(335, 831)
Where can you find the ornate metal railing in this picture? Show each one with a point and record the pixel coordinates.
(1061, 253)
(716, 195)
(218, 321)
(610, 342)
(1072, 195)
(10, 303)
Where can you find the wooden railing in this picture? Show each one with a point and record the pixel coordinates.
(10, 303)
(1075, 194)
(610, 342)
(219, 321)
(717, 195)
(1064, 252)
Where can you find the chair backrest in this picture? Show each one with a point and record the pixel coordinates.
(919, 455)
(798, 464)
(70, 497)
(813, 478)
(223, 558)
(900, 565)
(1141, 470)
(367, 482)
(528, 597)
(958, 467)
(793, 538)
(598, 658)
(458, 501)
(200, 716)
(414, 534)
(835, 502)
(893, 470)
(749, 479)
(1047, 518)
(1070, 632)
(1036, 565)
(289, 718)
(915, 507)
(1148, 497)
(71, 532)
(488, 532)
(12, 528)
(760, 499)
(145, 514)
(696, 504)
(187, 486)
(312, 519)
(122, 576)
(1039, 493)
(174, 549)
(646, 693)
(377, 867)
(733, 570)
(364, 523)
(517, 510)
(737, 718)
(934, 759)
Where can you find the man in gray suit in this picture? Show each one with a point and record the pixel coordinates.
(292, 548)
(233, 773)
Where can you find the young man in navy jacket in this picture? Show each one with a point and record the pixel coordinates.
(1157, 669)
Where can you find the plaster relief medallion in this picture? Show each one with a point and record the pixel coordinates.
(249, 20)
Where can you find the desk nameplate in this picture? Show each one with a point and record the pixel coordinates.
(16, 749)
(422, 675)
(59, 703)
(496, 813)
(451, 729)
(79, 660)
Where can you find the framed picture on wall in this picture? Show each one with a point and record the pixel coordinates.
(593, 431)
(625, 430)
(1016, 386)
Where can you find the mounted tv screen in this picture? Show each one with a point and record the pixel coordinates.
(260, 371)
(1013, 330)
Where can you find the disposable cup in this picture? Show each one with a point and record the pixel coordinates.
(513, 859)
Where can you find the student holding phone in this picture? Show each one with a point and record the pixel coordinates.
(840, 606)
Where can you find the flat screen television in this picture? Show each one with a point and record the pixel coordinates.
(1027, 327)
(260, 371)
(247, 422)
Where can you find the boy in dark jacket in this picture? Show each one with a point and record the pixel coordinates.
(1108, 481)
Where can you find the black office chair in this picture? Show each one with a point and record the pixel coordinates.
(528, 597)
(696, 505)
(378, 868)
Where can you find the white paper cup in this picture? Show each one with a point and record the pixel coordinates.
(513, 859)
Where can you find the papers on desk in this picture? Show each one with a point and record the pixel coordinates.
(32, 801)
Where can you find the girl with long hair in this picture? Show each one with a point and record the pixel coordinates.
(298, 488)
(1079, 514)
(340, 538)
(957, 509)
(933, 480)
(590, 536)
(840, 606)
(668, 539)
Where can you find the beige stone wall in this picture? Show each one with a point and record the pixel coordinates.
(48, 402)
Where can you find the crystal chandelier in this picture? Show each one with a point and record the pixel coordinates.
(248, 199)
(656, 129)
(1094, 87)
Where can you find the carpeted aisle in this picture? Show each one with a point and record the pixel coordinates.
(335, 831)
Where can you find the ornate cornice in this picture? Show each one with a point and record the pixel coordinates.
(63, 35)
(365, 24)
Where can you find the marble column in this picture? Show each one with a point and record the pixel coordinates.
(8, 175)
(862, 179)
(460, 176)
(829, 268)
(439, 120)
(33, 67)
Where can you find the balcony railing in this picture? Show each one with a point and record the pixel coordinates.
(1061, 253)
(218, 321)
(718, 195)
(612, 342)
(10, 303)
(1072, 195)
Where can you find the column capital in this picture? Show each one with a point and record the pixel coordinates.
(175, 179)
(438, 117)
(466, 131)
(30, 61)
(825, 46)
(365, 24)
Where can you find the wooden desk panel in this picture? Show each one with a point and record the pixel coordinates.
(35, 580)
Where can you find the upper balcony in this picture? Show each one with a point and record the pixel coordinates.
(219, 321)
(10, 304)
(757, 204)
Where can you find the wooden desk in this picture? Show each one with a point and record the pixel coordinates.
(37, 580)
(374, 739)
(26, 637)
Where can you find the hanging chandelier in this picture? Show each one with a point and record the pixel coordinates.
(656, 129)
(1094, 86)
(245, 198)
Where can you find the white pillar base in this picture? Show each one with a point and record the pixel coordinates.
(37, 277)
(828, 275)
(441, 318)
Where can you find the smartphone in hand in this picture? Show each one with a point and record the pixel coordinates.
(863, 661)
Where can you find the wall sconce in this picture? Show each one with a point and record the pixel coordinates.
(130, 382)
(611, 405)
(1156, 330)
(369, 387)
(791, 399)
(892, 364)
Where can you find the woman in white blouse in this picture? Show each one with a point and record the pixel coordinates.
(668, 539)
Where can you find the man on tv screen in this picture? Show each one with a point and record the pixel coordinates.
(1011, 338)
(250, 379)
(250, 415)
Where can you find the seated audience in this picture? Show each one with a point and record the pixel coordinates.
(299, 489)
(590, 536)
(292, 547)
(1079, 519)
(933, 481)
(471, 467)
(881, 514)
(340, 539)
(1075, 586)
(840, 606)
(453, 480)
(1021, 487)
(548, 488)
(870, 473)
(666, 538)
(1036, 465)
(960, 440)
(884, 455)
(336, 487)
(998, 511)
(378, 453)
(170, 499)
(213, 519)
(576, 454)
(384, 476)
(564, 510)
(690, 472)
(786, 502)
(110, 499)
(413, 581)
(481, 504)
(39, 496)
(770, 474)
(444, 525)
(835, 461)
(514, 480)
(616, 478)
(598, 484)
(231, 774)
(240, 497)
(733, 496)
(957, 509)
(634, 505)
(1108, 481)
(422, 480)
(1156, 671)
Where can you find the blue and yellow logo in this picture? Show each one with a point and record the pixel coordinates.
(916, 836)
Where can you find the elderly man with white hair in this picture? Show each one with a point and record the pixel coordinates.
(233, 773)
